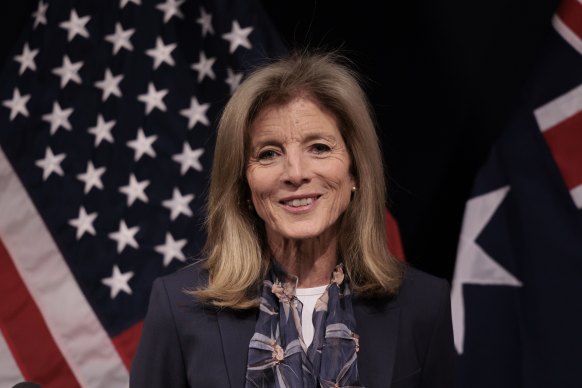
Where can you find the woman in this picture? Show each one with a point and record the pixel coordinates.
(298, 288)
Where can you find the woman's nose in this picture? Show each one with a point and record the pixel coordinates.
(297, 169)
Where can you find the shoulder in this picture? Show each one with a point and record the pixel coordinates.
(187, 278)
(421, 286)
(424, 303)
(170, 292)
(421, 299)
(418, 317)
(422, 296)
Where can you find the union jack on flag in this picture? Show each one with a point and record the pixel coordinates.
(107, 122)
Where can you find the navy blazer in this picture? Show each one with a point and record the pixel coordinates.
(405, 341)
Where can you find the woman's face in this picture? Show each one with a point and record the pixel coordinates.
(298, 170)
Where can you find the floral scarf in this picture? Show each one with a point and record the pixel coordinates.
(278, 356)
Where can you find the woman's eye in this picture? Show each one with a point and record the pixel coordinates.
(267, 154)
(320, 148)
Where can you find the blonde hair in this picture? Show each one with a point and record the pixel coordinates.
(238, 257)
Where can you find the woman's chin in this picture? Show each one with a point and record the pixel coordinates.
(302, 233)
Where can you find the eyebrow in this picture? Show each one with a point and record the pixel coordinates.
(310, 136)
(317, 135)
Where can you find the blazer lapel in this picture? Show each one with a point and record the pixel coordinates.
(236, 330)
(377, 325)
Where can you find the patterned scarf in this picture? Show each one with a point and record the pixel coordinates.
(278, 356)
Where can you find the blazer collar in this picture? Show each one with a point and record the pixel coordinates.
(377, 325)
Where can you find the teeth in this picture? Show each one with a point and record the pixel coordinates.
(299, 202)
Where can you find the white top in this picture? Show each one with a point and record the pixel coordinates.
(308, 297)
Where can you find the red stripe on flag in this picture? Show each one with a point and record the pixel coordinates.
(570, 12)
(394, 241)
(26, 332)
(565, 142)
(126, 343)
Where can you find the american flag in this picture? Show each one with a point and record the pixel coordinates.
(107, 122)
(516, 291)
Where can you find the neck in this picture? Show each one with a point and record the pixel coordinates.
(311, 260)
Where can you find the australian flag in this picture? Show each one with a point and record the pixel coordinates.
(107, 119)
(518, 280)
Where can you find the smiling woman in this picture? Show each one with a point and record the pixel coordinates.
(299, 288)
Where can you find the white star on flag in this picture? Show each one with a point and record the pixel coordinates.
(118, 282)
(196, 113)
(171, 8)
(50, 164)
(125, 236)
(204, 67)
(84, 223)
(120, 38)
(26, 59)
(162, 53)
(474, 265)
(109, 85)
(58, 118)
(76, 26)
(189, 158)
(153, 98)
(92, 177)
(17, 105)
(142, 145)
(123, 3)
(102, 130)
(179, 204)
(233, 79)
(205, 21)
(40, 14)
(135, 190)
(238, 36)
(68, 71)
(171, 249)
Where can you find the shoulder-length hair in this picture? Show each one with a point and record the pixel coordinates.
(238, 257)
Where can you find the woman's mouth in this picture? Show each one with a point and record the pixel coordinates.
(299, 202)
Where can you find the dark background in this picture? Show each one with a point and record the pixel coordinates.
(444, 78)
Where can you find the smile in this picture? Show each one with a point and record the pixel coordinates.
(298, 202)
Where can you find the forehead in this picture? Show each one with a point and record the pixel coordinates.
(294, 120)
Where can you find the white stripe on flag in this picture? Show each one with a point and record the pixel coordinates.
(70, 319)
(559, 109)
(9, 372)
(566, 33)
(576, 194)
